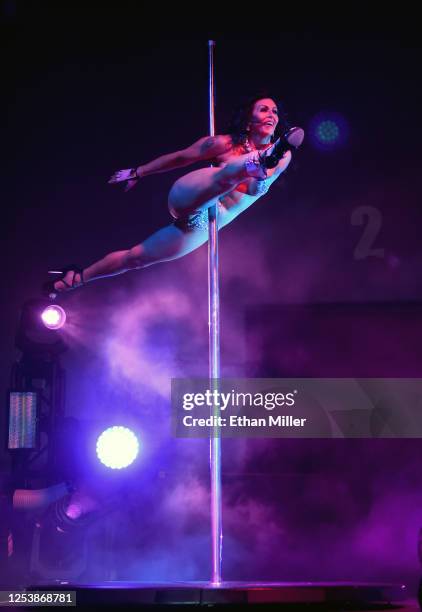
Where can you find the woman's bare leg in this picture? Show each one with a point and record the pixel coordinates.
(199, 189)
(166, 244)
(193, 192)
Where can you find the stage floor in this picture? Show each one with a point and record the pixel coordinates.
(271, 595)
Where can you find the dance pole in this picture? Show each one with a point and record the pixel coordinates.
(214, 355)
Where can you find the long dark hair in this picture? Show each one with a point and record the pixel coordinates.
(242, 114)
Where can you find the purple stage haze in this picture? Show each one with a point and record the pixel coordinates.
(321, 277)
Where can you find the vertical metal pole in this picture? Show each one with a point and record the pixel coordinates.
(214, 355)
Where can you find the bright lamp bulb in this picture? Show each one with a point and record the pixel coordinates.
(53, 317)
(117, 447)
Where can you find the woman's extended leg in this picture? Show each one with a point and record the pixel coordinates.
(168, 243)
(199, 189)
(195, 191)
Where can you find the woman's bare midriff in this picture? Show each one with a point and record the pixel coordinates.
(241, 198)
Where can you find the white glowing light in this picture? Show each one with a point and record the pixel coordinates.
(117, 447)
(53, 317)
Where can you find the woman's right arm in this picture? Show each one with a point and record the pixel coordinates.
(203, 149)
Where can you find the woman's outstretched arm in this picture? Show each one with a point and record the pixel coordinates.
(203, 149)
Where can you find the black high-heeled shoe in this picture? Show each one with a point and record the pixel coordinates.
(292, 139)
(48, 287)
(258, 163)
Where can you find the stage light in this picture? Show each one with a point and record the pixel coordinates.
(117, 447)
(39, 499)
(39, 334)
(53, 317)
(328, 131)
(75, 512)
(23, 420)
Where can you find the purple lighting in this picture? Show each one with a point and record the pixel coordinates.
(53, 317)
(328, 131)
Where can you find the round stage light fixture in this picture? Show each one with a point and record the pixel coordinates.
(53, 317)
(117, 447)
(328, 131)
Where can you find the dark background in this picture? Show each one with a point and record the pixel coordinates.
(91, 90)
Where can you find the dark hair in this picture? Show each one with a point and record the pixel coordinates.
(241, 116)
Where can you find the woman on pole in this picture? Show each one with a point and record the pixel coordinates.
(246, 161)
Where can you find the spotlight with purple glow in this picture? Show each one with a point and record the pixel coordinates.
(117, 447)
(53, 317)
(328, 131)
